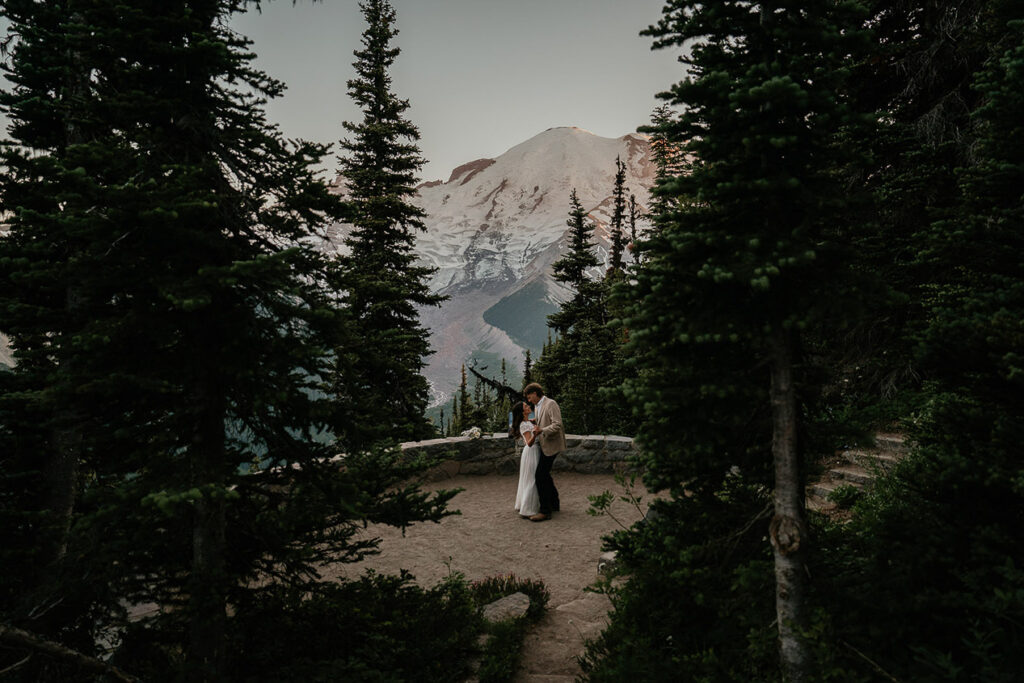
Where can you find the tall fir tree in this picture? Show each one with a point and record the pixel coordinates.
(936, 545)
(668, 159)
(572, 268)
(382, 285)
(42, 457)
(465, 403)
(752, 252)
(617, 225)
(576, 365)
(634, 216)
(197, 343)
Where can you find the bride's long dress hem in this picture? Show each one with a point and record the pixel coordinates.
(527, 498)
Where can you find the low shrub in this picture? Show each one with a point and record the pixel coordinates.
(845, 495)
(377, 628)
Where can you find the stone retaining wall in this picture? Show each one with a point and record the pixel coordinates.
(498, 454)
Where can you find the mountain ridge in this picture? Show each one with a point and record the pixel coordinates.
(495, 228)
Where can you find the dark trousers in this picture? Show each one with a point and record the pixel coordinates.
(546, 490)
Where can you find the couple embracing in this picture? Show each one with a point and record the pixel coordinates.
(538, 420)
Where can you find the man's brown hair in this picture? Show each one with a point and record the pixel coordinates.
(533, 388)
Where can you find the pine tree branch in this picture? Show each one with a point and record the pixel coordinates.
(514, 394)
(874, 665)
(20, 638)
(14, 666)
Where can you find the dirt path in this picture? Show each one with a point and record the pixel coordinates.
(490, 538)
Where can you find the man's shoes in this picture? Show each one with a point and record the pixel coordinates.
(540, 517)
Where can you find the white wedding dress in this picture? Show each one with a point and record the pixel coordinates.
(527, 498)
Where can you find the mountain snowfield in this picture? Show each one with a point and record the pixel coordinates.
(493, 230)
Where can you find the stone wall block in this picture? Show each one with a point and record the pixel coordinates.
(498, 454)
(445, 470)
(618, 443)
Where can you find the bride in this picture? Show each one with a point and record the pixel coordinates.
(527, 499)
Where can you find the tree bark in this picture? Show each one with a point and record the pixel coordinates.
(788, 530)
(208, 589)
(60, 472)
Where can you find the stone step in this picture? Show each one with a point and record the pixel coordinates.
(821, 489)
(892, 443)
(852, 474)
(816, 503)
(871, 460)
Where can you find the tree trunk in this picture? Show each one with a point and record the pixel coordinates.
(788, 530)
(208, 589)
(60, 477)
(60, 472)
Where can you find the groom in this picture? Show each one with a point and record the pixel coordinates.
(552, 442)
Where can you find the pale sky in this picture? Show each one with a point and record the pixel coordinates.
(481, 75)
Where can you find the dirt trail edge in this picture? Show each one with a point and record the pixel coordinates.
(490, 538)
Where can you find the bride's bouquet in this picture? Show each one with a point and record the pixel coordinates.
(473, 433)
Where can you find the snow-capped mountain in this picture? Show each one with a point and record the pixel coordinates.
(493, 231)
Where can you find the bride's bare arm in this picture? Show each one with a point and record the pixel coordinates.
(529, 436)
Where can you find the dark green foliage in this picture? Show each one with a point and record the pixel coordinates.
(845, 495)
(382, 285)
(487, 407)
(617, 225)
(919, 76)
(750, 241)
(171, 328)
(572, 269)
(923, 583)
(941, 540)
(500, 657)
(584, 361)
(698, 604)
(751, 252)
(378, 628)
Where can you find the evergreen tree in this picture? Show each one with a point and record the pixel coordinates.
(455, 423)
(581, 360)
(618, 218)
(668, 160)
(527, 369)
(195, 341)
(936, 546)
(572, 268)
(41, 461)
(634, 215)
(751, 252)
(382, 284)
(465, 404)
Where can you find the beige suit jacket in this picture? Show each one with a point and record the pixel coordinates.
(549, 423)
